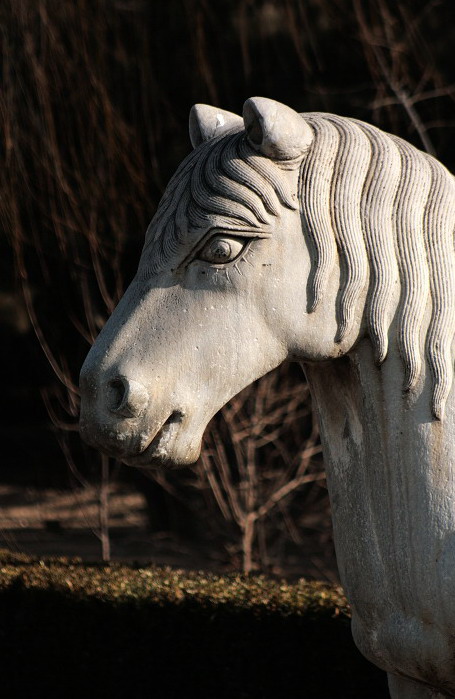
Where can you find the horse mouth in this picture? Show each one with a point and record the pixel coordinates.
(155, 452)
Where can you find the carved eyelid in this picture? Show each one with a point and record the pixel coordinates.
(236, 244)
(248, 235)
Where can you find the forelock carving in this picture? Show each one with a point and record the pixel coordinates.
(222, 183)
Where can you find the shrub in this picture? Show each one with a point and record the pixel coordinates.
(71, 629)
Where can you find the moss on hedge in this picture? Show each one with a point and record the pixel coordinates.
(73, 629)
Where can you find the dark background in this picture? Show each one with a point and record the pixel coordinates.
(94, 108)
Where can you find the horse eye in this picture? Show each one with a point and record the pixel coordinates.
(221, 249)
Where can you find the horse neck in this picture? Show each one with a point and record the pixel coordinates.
(389, 463)
(365, 414)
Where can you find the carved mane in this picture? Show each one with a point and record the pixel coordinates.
(383, 209)
(388, 211)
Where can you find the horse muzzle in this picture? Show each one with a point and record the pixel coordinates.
(120, 418)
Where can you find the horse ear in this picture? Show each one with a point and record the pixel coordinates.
(275, 130)
(206, 122)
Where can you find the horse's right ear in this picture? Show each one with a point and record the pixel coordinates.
(275, 130)
(206, 122)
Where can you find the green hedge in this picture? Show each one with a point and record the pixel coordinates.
(70, 629)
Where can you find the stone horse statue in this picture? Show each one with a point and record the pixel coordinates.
(319, 239)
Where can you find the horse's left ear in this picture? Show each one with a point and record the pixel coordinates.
(206, 122)
(275, 130)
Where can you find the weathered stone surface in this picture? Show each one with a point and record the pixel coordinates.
(318, 239)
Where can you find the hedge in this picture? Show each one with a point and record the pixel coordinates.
(72, 629)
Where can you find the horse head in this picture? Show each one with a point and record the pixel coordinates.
(221, 293)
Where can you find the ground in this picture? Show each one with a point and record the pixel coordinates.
(54, 522)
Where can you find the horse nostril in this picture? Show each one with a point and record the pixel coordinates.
(126, 398)
(116, 393)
